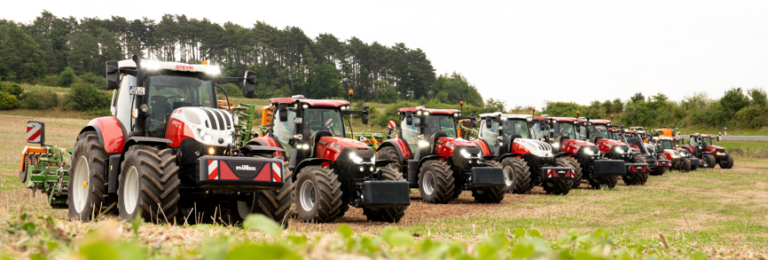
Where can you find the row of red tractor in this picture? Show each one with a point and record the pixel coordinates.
(169, 152)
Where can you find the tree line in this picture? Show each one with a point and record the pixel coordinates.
(286, 59)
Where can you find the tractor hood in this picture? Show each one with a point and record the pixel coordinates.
(446, 145)
(713, 148)
(605, 145)
(573, 146)
(530, 146)
(330, 147)
(209, 126)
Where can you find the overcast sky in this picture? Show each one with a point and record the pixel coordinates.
(524, 52)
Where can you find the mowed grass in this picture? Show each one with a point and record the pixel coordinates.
(709, 207)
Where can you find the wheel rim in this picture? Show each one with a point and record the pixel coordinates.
(509, 176)
(80, 195)
(705, 163)
(131, 190)
(429, 183)
(244, 209)
(307, 195)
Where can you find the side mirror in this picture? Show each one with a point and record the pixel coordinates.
(409, 118)
(113, 75)
(473, 120)
(283, 111)
(488, 123)
(366, 110)
(249, 84)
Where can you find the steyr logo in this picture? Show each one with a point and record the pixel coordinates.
(245, 168)
(183, 67)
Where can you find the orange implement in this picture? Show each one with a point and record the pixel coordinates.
(28, 150)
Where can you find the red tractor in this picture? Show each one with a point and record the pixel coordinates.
(334, 172)
(526, 162)
(437, 162)
(700, 145)
(596, 131)
(563, 135)
(167, 139)
(682, 160)
(657, 162)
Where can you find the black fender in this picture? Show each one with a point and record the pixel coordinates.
(307, 162)
(390, 143)
(507, 155)
(134, 140)
(561, 154)
(382, 163)
(249, 148)
(91, 128)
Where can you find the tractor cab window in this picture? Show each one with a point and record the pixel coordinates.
(435, 124)
(565, 131)
(172, 90)
(599, 131)
(322, 119)
(666, 144)
(284, 131)
(516, 127)
(410, 133)
(489, 134)
(706, 140)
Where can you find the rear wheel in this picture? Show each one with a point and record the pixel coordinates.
(387, 214)
(149, 184)
(489, 194)
(558, 186)
(317, 194)
(659, 170)
(708, 161)
(389, 153)
(636, 179)
(577, 173)
(517, 175)
(436, 182)
(685, 165)
(727, 162)
(275, 204)
(87, 183)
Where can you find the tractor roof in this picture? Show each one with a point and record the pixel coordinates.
(496, 114)
(430, 110)
(701, 135)
(596, 121)
(664, 138)
(165, 65)
(311, 102)
(558, 119)
(630, 131)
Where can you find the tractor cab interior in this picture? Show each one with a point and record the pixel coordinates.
(171, 90)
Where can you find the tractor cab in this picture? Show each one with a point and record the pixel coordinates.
(598, 131)
(701, 146)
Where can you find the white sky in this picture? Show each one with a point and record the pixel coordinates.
(524, 52)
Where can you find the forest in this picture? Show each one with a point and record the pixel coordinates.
(286, 59)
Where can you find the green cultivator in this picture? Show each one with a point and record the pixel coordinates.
(45, 168)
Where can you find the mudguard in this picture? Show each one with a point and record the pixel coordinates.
(400, 146)
(111, 133)
(308, 162)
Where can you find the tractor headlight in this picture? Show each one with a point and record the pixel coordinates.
(304, 146)
(556, 146)
(356, 159)
(211, 150)
(464, 153)
(619, 150)
(589, 151)
(207, 138)
(423, 143)
(480, 154)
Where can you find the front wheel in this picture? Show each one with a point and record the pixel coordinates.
(517, 175)
(636, 179)
(577, 171)
(727, 162)
(558, 186)
(149, 184)
(87, 184)
(708, 161)
(317, 194)
(392, 215)
(275, 204)
(436, 182)
(659, 170)
(685, 166)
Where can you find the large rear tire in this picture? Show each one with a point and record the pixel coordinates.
(489, 194)
(636, 179)
(685, 166)
(275, 204)
(708, 161)
(87, 182)
(726, 163)
(149, 183)
(577, 171)
(558, 186)
(318, 194)
(436, 182)
(392, 215)
(517, 175)
(389, 153)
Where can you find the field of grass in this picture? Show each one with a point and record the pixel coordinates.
(714, 211)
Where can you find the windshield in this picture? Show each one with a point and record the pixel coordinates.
(323, 119)
(707, 140)
(173, 90)
(511, 128)
(599, 131)
(537, 131)
(435, 124)
(565, 130)
(666, 144)
(283, 131)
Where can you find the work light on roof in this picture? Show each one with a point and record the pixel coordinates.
(213, 71)
(150, 64)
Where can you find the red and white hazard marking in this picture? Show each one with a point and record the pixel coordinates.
(329, 122)
(213, 166)
(276, 172)
(392, 124)
(34, 131)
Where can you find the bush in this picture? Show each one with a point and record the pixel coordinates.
(50, 80)
(232, 90)
(86, 97)
(98, 81)
(8, 101)
(39, 99)
(12, 88)
(67, 77)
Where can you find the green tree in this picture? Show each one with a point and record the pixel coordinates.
(638, 97)
(12, 88)
(21, 55)
(495, 105)
(7, 101)
(86, 97)
(733, 101)
(758, 96)
(67, 77)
